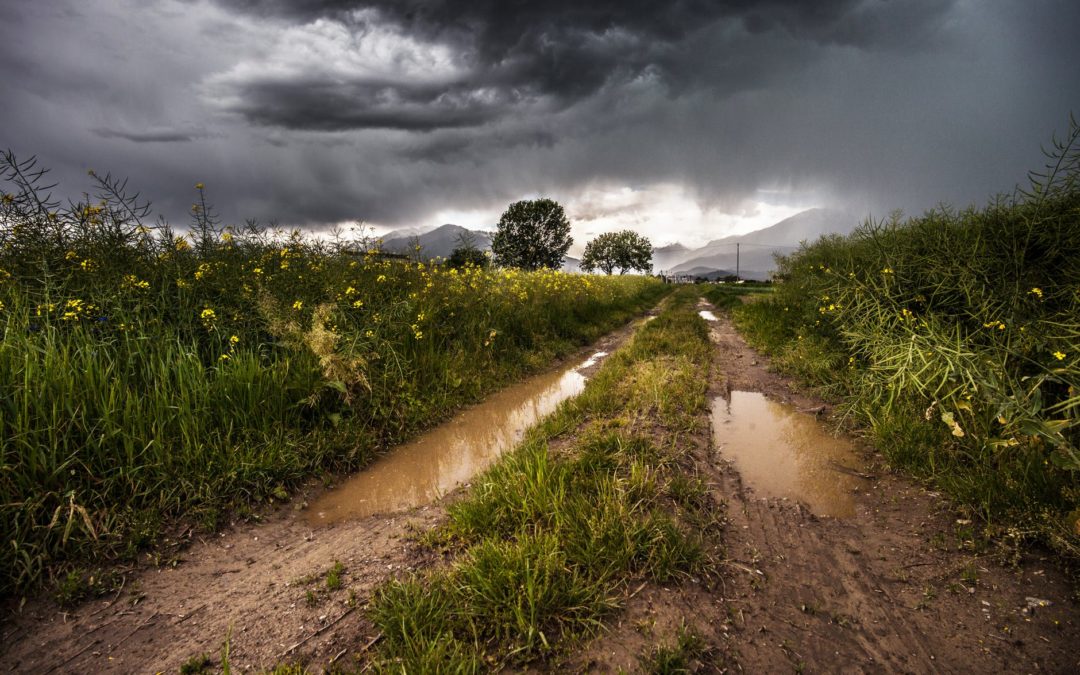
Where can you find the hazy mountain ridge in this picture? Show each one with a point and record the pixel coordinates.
(437, 243)
(441, 242)
(754, 258)
(666, 256)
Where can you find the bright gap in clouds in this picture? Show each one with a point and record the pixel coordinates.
(665, 213)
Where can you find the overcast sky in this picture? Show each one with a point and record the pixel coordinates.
(684, 119)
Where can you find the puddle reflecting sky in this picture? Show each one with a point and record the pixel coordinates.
(431, 465)
(707, 315)
(784, 453)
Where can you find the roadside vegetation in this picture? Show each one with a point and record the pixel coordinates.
(954, 337)
(547, 543)
(147, 375)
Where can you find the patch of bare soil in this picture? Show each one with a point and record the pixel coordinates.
(263, 586)
(893, 588)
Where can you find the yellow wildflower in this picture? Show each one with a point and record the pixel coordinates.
(1060, 356)
(234, 339)
(199, 186)
(298, 305)
(132, 281)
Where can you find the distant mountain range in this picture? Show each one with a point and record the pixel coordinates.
(714, 260)
(437, 243)
(441, 242)
(753, 255)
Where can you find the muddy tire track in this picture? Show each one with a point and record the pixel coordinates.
(883, 591)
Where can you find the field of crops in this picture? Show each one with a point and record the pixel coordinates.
(955, 338)
(146, 375)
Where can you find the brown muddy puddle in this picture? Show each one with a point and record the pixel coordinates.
(429, 466)
(781, 452)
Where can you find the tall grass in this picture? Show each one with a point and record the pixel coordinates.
(146, 375)
(957, 336)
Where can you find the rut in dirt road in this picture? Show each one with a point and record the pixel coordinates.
(885, 589)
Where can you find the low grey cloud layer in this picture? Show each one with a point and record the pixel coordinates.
(396, 112)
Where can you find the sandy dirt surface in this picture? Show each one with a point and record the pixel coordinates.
(261, 585)
(890, 589)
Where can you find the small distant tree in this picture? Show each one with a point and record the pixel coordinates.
(532, 234)
(466, 253)
(625, 250)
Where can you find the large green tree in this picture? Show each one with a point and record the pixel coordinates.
(532, 234)
(625, 250)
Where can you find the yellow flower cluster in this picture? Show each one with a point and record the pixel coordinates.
(74, 310)
(133, 282)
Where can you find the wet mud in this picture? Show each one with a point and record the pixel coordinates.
(440, 460)
(781, 452)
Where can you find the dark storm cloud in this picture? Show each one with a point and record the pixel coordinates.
(151, 135)
(547, 55)
(335, 106)
(319, 112)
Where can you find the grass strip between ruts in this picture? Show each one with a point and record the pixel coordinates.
(599, 494)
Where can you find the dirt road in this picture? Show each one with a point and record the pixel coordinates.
(888, 589)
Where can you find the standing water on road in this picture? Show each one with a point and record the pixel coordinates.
(781, 452)
(431, 465)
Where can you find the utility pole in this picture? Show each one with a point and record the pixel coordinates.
(736, 261)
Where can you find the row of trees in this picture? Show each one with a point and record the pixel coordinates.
(533, 234)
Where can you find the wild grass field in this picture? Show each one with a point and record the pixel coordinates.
(147, 375)
(954, 337)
